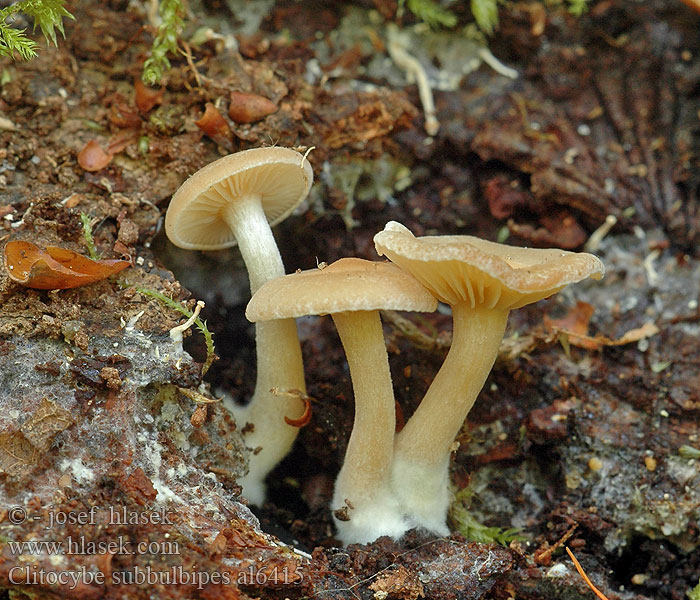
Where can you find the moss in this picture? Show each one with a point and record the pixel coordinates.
(468, 526)
(694, 594)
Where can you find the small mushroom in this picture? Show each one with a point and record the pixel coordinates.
(235, 200)
(482, 281)
(353, 291)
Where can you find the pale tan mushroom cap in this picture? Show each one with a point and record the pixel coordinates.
(349, 284)
(462, 268)
(280, 176)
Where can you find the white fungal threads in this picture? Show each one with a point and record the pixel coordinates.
(486, 55)
(597, 236)
(176, 332)
(415, 72)
(306, 155)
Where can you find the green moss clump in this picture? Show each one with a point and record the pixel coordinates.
(47, 14)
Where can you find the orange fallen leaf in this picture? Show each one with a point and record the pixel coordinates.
(55, 268)
(694, 4)
(575, 326)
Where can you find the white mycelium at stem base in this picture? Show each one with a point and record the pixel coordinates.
(363, 482)
(279, 361)
(420, 472)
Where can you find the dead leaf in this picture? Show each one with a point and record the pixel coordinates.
(213, 124)
(145, 97)
(249, 108)
(93, 158)
(17, 455)
(575, 326)
(123, 115)
(55, 268)
(121, 140)
(48, 420)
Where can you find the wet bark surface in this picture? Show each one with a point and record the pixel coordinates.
(586, 433)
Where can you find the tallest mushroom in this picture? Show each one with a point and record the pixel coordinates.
(482, 282)
(235, 201)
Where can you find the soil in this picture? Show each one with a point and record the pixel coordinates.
(587, 439)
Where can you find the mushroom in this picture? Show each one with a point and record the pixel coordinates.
(235, 200)
(482, 282)
(352, 291)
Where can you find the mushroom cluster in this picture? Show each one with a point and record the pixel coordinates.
(389, 482)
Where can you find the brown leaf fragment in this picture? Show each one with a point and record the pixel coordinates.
(575, 326)
(17, 455)
(121, 140)
(93, 158)
(146, 97)
(213, 124)
(122, 115)
(48, 420)
(399, 583)
(55, 268)
(199, 416)
(634, 335)
(139, 487)
(575, 323)
(305, 418)
(249, 108)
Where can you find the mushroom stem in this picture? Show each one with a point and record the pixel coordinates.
(362, 483)
(422, 452)
(279, 361)
(279, 366)
(261, 256)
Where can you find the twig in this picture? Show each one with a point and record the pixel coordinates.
(582, 573)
